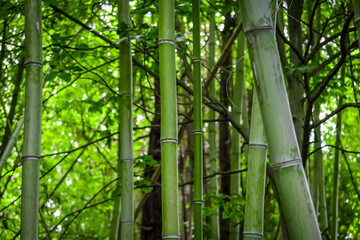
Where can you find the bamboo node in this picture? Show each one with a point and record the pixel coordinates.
(198, 201)
(258, 145)
(166, 41)
(253, 235)
(127, 159)
(197, 132)
(196, 60)
(30, 158)
(357, 20)
(35, 64)
(259, 28)
(278, 166)
(127, 222)
(177, 236)
(164, 140)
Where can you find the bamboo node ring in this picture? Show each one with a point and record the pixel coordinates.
(127, 159)
(30, 158)
(198, 201)
(196, 60)
(166, 41)
(164, 140)
(258, 145)
(177, 236)
(254, 235)
(259, 28)
(198, 132)
(278, 166)
(35, 64)
(127, 222)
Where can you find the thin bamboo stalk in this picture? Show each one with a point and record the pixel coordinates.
(198, 133)
(169, 135)
(335, 194)
(236, 137)
(255, 181)
(284, 150)
(126, 155)
(11, 144)
(320, 173)
(213, 183)
(357, 17)
(32, 120)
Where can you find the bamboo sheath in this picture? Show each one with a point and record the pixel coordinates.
(32, 120)
(256, 176)
(284, 151)
(198, 133)
(169, 134)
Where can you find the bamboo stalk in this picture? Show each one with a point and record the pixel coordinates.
(335, 194)
(213, 182)
(32, 120)
(11, 144)
(126, 155)
(357, 17)
(169, 135)
(235, 136)
(255, 181)
(284, 150)
(198, 133)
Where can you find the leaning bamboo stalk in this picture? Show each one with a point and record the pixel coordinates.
(11, 144)
(335, 194)
(32, 120)
(235, 136)
(169, 135)
(198, 133)
(284, 150)
(213, 184)
(255, 180)
(126, 156)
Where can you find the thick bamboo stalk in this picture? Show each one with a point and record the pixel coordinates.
(284, 150)
(255, 181)
(169, 135)
(126, 155)
(32, 120)
(213, 183)
(235, 136)
(198, 133)
(11, 144)
(335, 194)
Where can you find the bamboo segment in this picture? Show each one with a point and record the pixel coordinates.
(32, 120)
(11, 144)
(169, 135)
(126, 155)
(255, 181)
(236, 137)
(335, 194)
(213, 184)
(284, 150)
(198, 133)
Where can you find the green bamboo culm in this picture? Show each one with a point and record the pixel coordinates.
(284, 150)
(169, 135)
(320, 176)
(198, 133)
(235, 136)
(335, 194)
(32, 120)
(11, 144)
(357, 17)
(256, 176)
(126, 156)
(213, 182)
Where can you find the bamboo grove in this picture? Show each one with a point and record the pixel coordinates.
(181, 119)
